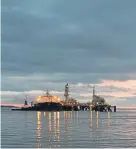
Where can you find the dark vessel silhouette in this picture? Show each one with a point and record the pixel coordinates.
(45, 103)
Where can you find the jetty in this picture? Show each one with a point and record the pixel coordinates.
(53, 103)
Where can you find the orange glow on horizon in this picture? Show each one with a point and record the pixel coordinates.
(16, 105)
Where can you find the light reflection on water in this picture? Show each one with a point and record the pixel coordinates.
(91, 116)
(68, 129)
(97, 122)
(39, 129)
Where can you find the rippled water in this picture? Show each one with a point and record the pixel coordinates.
(30, 129)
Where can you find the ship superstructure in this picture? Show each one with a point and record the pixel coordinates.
(97, 100)
(99, 103)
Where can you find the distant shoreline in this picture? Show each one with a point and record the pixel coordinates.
(8, 106)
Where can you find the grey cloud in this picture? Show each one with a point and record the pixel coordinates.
(48, 41)
(58, 80)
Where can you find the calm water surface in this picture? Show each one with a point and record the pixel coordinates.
(30, 129)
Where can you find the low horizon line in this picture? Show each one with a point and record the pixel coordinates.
(19, 105)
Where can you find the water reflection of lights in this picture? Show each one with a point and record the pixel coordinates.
(49, 125)
(65, 115)
(91, 115)
(98, 124)
(97, 120)
(108, 119)
(109, 133)
(56, 128)
(44, 113)
(39, 129)
(77, 116)
(68, 124)
(65, 120)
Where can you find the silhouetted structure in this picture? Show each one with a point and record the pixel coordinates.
(53, 103)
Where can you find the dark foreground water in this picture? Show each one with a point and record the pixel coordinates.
(27, 129)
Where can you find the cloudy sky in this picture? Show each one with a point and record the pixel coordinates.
(46, 43)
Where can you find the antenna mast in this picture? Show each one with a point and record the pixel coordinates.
(47, 92)
(93, 91)
(48, 95)
(66, 94)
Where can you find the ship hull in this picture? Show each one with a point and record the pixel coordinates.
(46, 107)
